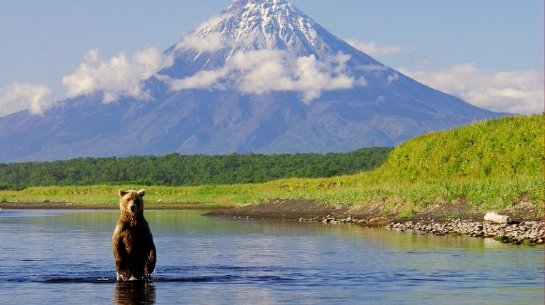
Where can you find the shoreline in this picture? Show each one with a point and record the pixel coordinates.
(437, 221)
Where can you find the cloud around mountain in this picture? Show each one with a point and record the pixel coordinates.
(119, 76)
(262, 71)
(209, 43)
(33, 97)
(518, 91)
(258, 72)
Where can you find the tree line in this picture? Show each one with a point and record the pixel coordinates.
(176, 169)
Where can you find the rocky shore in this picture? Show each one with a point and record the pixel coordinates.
(524, 232)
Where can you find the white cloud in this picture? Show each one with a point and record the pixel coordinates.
(505, 91)
(201, 80)
(373, 49)
(313, 76)
(262, 71)
(119, 76)
(209, 43)
(17, 97)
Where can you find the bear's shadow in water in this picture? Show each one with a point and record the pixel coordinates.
(134, 292)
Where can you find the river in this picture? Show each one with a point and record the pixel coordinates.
(65, 256)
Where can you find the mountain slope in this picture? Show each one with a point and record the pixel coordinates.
(260, 77)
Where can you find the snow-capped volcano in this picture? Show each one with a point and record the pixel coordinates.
(260, 77)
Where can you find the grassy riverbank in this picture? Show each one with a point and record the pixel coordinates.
(402, 198)
(495, 165)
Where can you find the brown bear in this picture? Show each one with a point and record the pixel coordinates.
(132, 242)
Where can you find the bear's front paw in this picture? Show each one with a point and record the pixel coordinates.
(121, 277)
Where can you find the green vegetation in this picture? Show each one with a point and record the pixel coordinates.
(505, 148)
(177, 170)
(492, 165)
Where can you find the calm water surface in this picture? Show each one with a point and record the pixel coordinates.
(51, 257)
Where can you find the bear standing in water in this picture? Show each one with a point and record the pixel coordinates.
(132, 242)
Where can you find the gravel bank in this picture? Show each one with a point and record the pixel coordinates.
(524, 232)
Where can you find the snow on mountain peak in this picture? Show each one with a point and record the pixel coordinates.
(281, 48)
(256, 25)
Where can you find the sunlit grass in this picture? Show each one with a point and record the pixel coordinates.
(482, 194)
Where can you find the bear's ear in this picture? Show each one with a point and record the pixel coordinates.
(122, 192)
(142, 192)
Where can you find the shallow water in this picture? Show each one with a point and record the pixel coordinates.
(50, 257)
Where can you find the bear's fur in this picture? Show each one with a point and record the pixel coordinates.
(132, 242)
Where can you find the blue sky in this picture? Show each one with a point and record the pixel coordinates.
(488, 52)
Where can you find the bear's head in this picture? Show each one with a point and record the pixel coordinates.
(131, 202)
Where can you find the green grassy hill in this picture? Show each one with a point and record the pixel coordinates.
(504, 148)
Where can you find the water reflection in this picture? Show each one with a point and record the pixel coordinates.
(134, 292)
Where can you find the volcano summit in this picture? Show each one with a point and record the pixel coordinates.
(261, 77)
